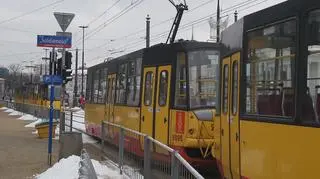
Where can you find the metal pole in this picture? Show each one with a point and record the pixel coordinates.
(76, 81)
(62, 104)
(121, 149)
(218, 21)
(148, 32)
(82, 68)
(50, 124)
(236, 16)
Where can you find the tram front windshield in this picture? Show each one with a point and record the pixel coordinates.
(203, 76)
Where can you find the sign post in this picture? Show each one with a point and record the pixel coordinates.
(64, 20)
(51, 80)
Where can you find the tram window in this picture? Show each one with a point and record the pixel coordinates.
(121, 84)
(203, 70)
(134, 83)
(225, 88)
(270, 70)
(102, 85)
(96, 86)
(181, 82)
(148, 89)
(310, 111)
(235, 88)
(89, 87)
(163, 88)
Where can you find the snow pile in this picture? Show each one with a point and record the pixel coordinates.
(104, 171)
(87, 139)
(4, 108)
(27, 117)
(15, 113)
(33, 124)
(9, 111)
(68, 169)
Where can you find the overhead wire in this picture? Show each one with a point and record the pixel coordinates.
(112, 19)
(104, 12)
(152, 26)
(30, 12)
(197, 21)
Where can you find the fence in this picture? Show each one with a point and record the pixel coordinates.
(32, 109)
(137, 155)
(150, 158)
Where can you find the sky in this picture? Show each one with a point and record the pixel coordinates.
(108, 34)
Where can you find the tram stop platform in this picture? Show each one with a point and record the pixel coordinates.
(22, 154)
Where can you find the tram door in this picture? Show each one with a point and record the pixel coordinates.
(230, 136)
(109, 110)
(155, 102)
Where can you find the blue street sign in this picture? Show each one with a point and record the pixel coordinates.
(54, 41)
(52, 79)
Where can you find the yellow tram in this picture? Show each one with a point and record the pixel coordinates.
(268, 124)
(168, 91)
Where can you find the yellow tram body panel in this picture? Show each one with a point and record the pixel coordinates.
(188, 131)
(94, 113)
(278, 151)
(128, 117)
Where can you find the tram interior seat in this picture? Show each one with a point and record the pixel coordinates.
(288, 102)
(307, 109)
(270, 104)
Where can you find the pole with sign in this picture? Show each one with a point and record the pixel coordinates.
(51, 80)
(64, 20)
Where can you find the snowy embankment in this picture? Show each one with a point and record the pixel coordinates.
(68, 169)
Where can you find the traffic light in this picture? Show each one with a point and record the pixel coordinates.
(59, 67)
(67, 73)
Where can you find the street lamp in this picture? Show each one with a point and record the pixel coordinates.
(82, 69)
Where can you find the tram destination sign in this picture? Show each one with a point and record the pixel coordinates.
(54, 41)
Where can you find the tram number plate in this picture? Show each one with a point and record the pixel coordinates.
(177, 137)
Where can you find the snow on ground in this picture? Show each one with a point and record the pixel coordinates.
(9, 111)
(68, 169)
(15, 113)
(27, 117)
(4, 108)
(33, 124)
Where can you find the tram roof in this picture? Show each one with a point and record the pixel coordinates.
(232, 37)
(158, 50)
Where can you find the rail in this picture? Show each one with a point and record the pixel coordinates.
(150, 157)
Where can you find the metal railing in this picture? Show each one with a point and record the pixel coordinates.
(150, 158)
(38, 111)
(136, 154)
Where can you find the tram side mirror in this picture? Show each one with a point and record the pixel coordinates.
(314, 33)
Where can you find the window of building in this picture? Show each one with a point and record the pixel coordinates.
(163, 88)
(148, 89)
(134, 77)
(122, 84)
(203, 76)
(181, 82)
(270, 70)
(310, 111)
